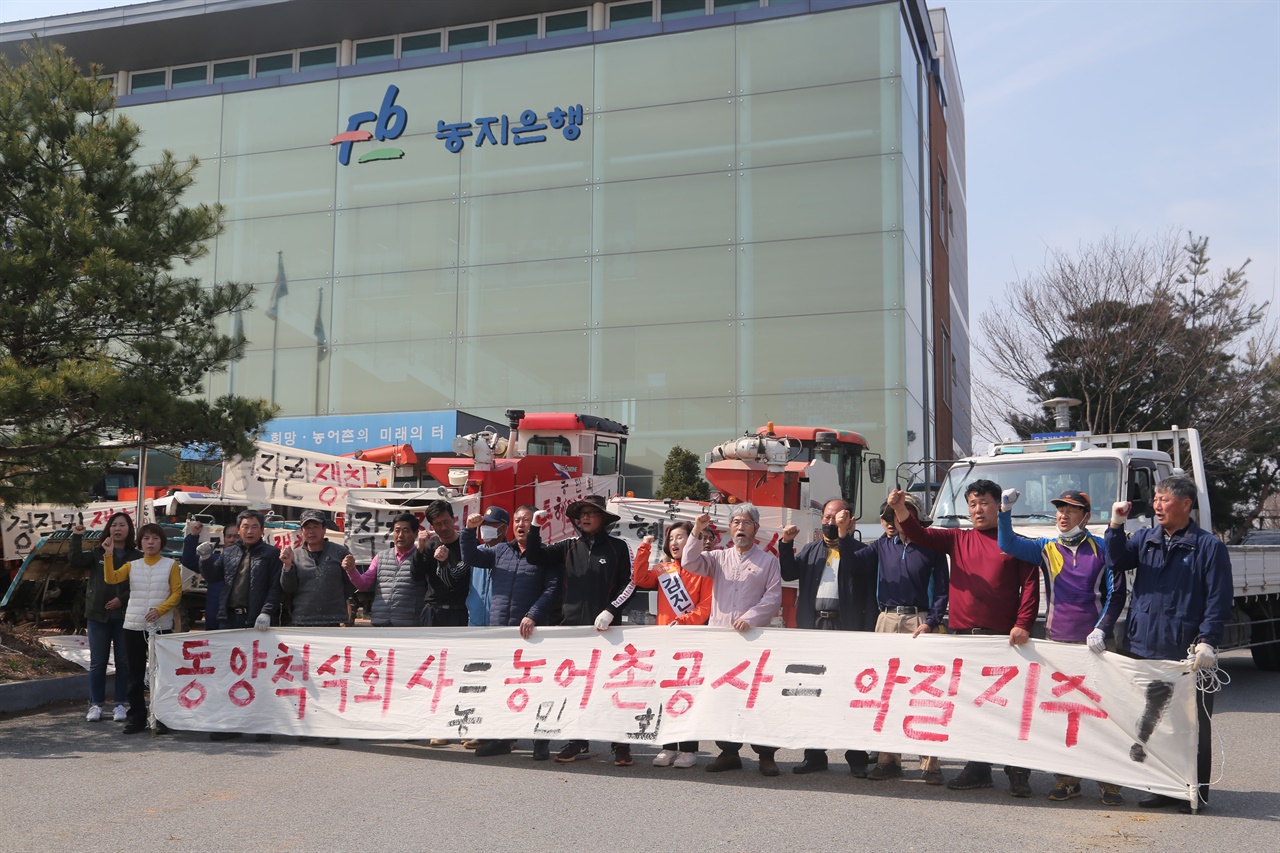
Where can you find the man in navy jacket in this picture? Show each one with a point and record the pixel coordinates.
(1180, 599)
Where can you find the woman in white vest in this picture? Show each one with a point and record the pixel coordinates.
(155, 588)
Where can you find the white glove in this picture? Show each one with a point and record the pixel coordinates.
(263, 622)
(1008, 498)
(1205, 656)
(541, 517)
(604, 620)
(1096, 641)
(204, 549)
(189, 527)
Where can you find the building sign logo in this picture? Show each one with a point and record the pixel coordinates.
(391, 119)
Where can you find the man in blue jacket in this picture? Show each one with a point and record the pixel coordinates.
(1180, 600)
(522, 593)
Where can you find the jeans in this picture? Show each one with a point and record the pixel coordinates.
(103, 636)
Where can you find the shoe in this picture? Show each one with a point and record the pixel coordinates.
(725, 761)
(971, 777)
(216, 736)
(261, 738)
(162, 729)
(94, 715)
(1020, 784)
(1158, 801)
(685, 760)
(622, 756)
(439, 741)
(1062, 792)
(473, 743)
(810, 765)
(932, 777)
(120, 714)
(1111, 796)
(541, 750)
(884, 771)
(857, 764)
(574, 750)
(132, 727)
(494, 747)
(768, 767)
(665, 758)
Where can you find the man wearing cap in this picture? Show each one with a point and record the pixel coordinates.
(746, 592)
(595, 583)
(492, 532)
(818, 600)
(1085, 597)
(523, 593)
(315, 577)
(990, 593)
(441, 567)
(1180, 602)
(909, 584)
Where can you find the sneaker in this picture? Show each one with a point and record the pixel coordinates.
(665, 758)
(574, 750)
(971, 777)
(1111, 795)
(622, 756)
(884, 771)
(725, 761)
(94, 715)
(685, 760)
(1062, 792)
(1020, 784)
(120, 714)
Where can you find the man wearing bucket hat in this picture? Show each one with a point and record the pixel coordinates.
(595, 582)
(1084, 595)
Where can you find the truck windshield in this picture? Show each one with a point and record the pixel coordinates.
(1039, 481)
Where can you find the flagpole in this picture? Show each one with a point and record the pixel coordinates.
(320, 353)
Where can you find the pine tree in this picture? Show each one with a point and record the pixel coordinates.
(102, 338)
(682, 477)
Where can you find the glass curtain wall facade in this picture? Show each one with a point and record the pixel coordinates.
(734, 237)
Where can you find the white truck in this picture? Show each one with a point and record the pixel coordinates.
(1110, 468)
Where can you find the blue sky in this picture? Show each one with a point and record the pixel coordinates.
(1088, 117)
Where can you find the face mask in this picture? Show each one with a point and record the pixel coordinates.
(488, 532)
(830, 531)
(1072, 533)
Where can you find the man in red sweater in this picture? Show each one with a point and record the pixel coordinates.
(991, 593)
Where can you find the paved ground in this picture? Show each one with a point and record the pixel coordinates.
(69, 785)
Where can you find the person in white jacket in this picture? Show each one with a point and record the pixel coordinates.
(155, 588)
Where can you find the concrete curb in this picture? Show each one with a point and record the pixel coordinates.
(25, 695)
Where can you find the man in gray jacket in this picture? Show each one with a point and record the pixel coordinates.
(314, 576)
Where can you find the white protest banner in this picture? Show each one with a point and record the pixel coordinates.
(369, 513)
(1049, 706)
(24, 525)
(641, 518)
(287, 476)
(554, 496)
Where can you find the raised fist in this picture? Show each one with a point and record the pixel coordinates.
(1008, 498)
(1120, 511)
(286, 558)
(790, 532)
(541, 518)
(648, 540)
(897, 499)
(473, 520)
(700, 524)
(348, 564)
(441, 553)
(78, 529)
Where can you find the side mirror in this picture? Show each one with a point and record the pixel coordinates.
(875, 468)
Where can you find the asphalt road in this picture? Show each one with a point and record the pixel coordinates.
(70, 785)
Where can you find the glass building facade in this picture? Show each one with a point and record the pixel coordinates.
(737, 233)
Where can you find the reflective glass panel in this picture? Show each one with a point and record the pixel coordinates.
(237, 69)
(280, 63)
(389, 377)
(420, 44)
(626, 14)
(146, 81)
(689, 66)
(522, 30)
(845, 120)
(643, 362)
(502, 370)
(855, 44)
(396, 238)
(818, 199)
(502, 299)
(247, 249)
(405, 306)
(673, 9)
(192, 75)
(664, 213)
(662, 288)
(320, 57)
(526, 226)
(375, 51)
(277, 183)
(834, 352)
(466, 37)
(673, 139)
(817, 276)
(568, 22)
(252, 120)
(187, 127)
